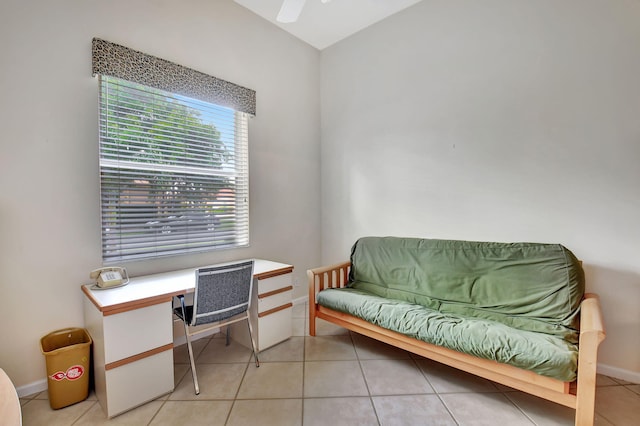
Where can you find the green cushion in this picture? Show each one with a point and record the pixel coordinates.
(538, 352)
(529, 286)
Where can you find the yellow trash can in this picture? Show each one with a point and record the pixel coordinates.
(67, 353)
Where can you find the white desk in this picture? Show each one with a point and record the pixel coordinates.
(132, 330)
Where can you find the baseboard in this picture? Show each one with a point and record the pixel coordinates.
(32, 388)
(619, 373)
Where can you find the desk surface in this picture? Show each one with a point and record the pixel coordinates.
(149, 290)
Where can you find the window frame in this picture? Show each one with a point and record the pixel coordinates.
(111, 62)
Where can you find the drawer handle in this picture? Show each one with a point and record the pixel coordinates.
(137, 357)
(274, 310)
(271, 274)
(274, 292)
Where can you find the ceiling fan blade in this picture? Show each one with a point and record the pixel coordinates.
(290, 11)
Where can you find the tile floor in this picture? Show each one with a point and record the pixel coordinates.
(335, 378)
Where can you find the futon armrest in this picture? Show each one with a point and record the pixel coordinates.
(591, 334)
(591, 321)
(333, 276)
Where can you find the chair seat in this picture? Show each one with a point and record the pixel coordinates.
(222, 316)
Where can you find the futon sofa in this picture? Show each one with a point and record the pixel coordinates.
(514, 313)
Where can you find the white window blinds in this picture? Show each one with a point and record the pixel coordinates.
(173, 173)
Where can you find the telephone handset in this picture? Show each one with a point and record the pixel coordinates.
(109, 277)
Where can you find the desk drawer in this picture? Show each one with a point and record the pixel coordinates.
(274, 283)
(274, 328)
(133, 332)
(136, 383)
(275, 300)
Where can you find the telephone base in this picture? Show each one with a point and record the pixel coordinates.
(95, 286)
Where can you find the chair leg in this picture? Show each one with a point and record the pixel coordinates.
(228, 337)
(253, 342)
(193, 364)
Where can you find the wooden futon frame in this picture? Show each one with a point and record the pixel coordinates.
(579, 395)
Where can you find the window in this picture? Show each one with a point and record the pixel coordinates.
(173, 168)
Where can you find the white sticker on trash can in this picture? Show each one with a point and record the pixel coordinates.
(72, 373)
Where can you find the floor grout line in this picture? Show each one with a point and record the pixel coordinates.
(304, 340)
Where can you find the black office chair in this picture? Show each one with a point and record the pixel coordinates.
(222, 296)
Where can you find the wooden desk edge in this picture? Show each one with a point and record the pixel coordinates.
(165, 297)
(129, 306)
(273, 273)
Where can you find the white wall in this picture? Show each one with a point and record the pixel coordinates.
(499, 120)
(49, 205)
(495, 120)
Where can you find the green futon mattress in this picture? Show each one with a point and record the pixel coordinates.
(538, 352)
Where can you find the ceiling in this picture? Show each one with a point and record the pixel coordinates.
(322, 24)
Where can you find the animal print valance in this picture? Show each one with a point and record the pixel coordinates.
(119, 61)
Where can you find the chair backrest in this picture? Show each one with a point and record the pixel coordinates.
(222, 292)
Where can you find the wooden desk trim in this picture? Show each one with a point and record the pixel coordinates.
(164, 297)
(274, 310)
(274, 273)
(274, 292)
(136, 357)
(130, 306)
